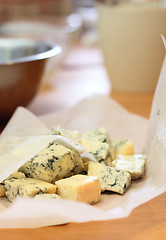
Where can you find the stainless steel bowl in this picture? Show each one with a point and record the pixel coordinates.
(22, 63)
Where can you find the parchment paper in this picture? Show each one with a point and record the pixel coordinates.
(25, 135)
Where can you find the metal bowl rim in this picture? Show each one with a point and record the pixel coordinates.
(55, 50)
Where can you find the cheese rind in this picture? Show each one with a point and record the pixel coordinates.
(27, 187)
(50, 164)
(111, 179)
(80, 188)
(134, 164)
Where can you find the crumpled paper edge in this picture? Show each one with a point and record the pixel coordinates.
(21, 211)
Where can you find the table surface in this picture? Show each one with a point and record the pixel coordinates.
(73, 81)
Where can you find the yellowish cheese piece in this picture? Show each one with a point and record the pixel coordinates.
(50, 164)
(74, 133)
(16, 174)
(121, 147)
(99, 134)
(47, 196)
(78, 164)
(111, 179)
(80, 188)
(99, 150)
(97, 143)
(27, 187)
(134, 164)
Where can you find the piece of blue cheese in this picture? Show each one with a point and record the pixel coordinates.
(121, 147)
(27, 187)
(57, 130)
(16, 175)
(111, 179)
(78, 164)
(80, 188)
(97, 143)
(73, 135)
(134, 164)
(50, 164)
(99, 134)
(99, 150)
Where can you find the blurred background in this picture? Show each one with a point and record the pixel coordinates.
(71, 24)
(93, 35)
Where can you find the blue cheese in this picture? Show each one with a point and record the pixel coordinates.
(97, 143)
(27, 187)
(99, 134)
(111, 179)
(134, 164)
(99, 150)
(80, 188)
(73, 133)
(16, 174)
(78, 164)
(50, 164)
(121, 147)
(73, 136)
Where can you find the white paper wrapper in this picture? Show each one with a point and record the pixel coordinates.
(25, 135)
(25, 128)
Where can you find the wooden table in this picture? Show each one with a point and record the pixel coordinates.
(148, 221)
